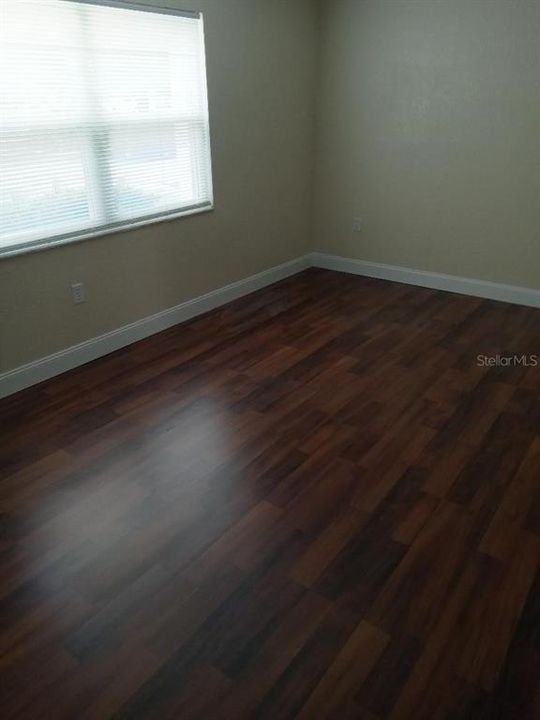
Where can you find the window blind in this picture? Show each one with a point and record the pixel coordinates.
(103, 118)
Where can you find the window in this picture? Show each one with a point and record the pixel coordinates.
(103, 118)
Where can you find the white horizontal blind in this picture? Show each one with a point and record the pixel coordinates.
(103, 118)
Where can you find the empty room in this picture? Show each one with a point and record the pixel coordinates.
(270, 359)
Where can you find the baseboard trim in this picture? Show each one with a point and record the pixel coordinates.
(437, 281)
(47, 367)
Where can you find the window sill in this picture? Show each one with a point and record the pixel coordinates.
(68, 240)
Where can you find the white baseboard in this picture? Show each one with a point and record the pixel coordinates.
(57, 363)
(47, 367)
(436, 281)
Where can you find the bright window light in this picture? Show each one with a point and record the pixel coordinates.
(103, 119)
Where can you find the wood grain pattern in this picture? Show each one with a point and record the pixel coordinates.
(310, 503)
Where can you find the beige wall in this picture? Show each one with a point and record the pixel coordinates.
(260, 63)
(429, 129)
(428, 120)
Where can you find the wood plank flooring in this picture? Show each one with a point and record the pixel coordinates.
(311, 503)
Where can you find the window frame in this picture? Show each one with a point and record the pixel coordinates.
(124, 225)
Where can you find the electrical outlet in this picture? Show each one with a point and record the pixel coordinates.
(77, 293)
(357, 224)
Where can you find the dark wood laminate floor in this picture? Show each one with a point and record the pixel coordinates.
(311, 503)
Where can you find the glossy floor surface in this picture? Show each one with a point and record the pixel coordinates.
(316, 502)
